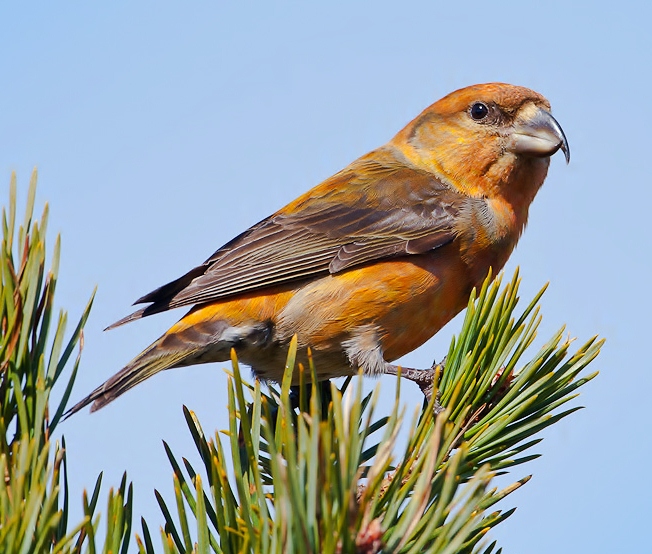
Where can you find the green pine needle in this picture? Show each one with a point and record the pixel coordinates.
(315, 480)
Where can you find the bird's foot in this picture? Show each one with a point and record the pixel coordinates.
(427, 379)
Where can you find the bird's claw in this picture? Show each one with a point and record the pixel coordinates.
(426, 379)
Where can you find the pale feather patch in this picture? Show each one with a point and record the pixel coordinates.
(364, 350)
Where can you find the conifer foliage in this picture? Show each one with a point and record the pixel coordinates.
(34, 357)
(319, 471)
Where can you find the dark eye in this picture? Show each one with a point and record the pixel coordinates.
(479, 111)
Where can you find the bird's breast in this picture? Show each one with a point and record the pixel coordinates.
(488, 230)
(407, 299)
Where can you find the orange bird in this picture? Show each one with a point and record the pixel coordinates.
(368, 265)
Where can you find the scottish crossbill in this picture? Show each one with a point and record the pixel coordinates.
(368, 265)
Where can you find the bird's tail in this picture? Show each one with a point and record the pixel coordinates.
(153, 359)
(186, 343)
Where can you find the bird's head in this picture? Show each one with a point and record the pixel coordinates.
(486, 139)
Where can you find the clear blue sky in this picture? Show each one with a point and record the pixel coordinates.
(162, 131)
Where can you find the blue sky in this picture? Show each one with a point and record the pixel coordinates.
(161, 131)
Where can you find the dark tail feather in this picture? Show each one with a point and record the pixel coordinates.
(153, 360)
(167, 292)
(138, 314)
(131, 317)
(160, 297)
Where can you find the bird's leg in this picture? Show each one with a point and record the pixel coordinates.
(425, 378)
(364, 350)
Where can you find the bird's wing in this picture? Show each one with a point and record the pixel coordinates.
(369, 211)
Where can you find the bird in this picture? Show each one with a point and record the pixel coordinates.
(372, 262)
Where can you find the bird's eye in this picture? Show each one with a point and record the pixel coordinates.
(479, 111)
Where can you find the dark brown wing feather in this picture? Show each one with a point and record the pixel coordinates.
(394, 211)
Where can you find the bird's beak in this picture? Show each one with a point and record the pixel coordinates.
(537, 133)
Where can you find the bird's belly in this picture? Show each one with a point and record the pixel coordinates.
(406, 300)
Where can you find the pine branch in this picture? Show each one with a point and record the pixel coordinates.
(34, 498)
(327, 478)
(317, 472)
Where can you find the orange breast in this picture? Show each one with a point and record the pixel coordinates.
(409, 300)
